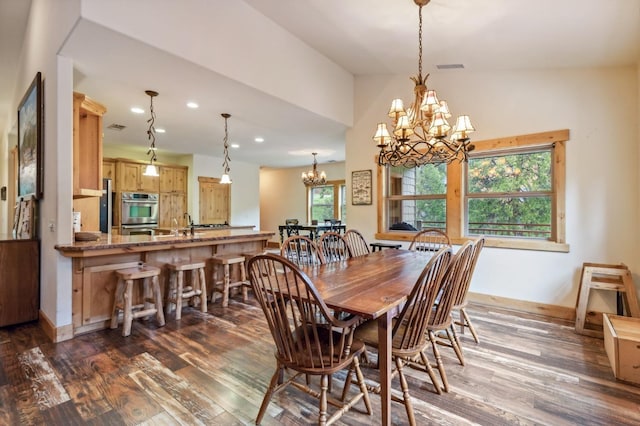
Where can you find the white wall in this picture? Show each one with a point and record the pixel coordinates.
(597, 106)
(49, 23)
(245, 189)
(284, 196)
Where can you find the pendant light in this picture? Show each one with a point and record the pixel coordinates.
(225, 164)
(151, 169)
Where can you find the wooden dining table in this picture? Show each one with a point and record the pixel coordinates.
(374, 286)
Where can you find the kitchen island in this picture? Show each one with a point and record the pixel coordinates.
(94, 263)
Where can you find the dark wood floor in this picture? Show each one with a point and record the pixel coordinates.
(214, 368)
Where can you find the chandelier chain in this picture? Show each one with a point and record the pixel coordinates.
(225, 163)
(151, 132)
(420, 42)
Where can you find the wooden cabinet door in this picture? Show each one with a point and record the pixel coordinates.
(180, 179)
(172, 205)
(128, 176)
(173, 179)
(147, 183)
(109, 171)
(215, 201)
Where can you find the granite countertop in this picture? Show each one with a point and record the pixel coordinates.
(131, 242)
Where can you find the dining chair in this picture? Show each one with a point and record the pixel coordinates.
(303, 345)
(291, 227)
(430, 240)
(357, 244)
(301, 251)
(333, 247)
(440, 328)
(460, 298)
(409, 334)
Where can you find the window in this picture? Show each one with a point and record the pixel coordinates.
(417, 197)
(511, 191)
(327, 201)
(510, 194)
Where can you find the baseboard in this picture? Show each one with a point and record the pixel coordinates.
(55, 334)
(555, 311)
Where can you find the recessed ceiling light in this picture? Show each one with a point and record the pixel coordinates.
(192, 105)
(259, 140)
(235, 145)
(137, 110)
(158, 130)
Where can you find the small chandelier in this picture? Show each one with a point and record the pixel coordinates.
(151, 169)
(312, 178)
(421, 132)
(225, 164)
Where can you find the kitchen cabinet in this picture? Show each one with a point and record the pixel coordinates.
(109, 171)
(87, 146)
(173, 179)
(172, 205)
(130, 177)
(19, 281)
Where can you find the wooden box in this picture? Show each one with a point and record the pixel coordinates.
(622, 343)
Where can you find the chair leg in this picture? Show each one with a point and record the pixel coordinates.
(269, 393)
(324, 384)
(363, 385)
(455, 343)
(405, 392)
(118, 300)
(431, 373)
(128, 315)
(158, 299)
(439, 364)
(179, 291)
(225, 290)
(464, 318)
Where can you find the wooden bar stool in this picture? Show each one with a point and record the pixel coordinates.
(151, 296)
(224, 285)
(599, 276)
(178, 292)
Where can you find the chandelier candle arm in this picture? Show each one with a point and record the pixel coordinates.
(421, 133)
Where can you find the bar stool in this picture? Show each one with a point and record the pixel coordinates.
(224, 285)
(151, 296)
(178, 292)
(597, 276)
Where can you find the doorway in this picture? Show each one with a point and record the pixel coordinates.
(215, 201)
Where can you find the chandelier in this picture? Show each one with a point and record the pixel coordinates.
(225, 164)
(421, 132)
(312, 177)
(151, 169)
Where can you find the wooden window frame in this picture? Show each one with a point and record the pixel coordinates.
(456, 195)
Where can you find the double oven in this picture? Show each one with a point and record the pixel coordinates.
(139, 214)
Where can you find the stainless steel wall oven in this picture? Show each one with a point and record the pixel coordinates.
(139, 213)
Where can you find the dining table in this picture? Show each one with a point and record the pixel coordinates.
(374, 286)
(314, 230)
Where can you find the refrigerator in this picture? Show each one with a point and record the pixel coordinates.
(106, 207)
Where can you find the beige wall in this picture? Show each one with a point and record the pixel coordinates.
(602, 156)
(284, 196)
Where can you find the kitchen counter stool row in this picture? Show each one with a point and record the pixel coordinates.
(194, 293)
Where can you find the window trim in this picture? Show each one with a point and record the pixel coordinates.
(456, 196)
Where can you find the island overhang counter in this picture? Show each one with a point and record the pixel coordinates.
(94, 263)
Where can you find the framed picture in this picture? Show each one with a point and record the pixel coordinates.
(30, 161)
(361, 187)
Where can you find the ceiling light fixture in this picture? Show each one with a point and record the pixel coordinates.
(421, 131)
(151, 169)
(312, 178)
(225, 164)
(192, 105)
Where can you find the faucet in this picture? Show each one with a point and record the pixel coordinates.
(188, 217)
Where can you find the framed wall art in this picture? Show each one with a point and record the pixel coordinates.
(30, 161)
(361, 187)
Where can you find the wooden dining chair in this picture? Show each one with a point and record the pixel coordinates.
(333, 247)
(301, 251)
(430, 240)
(460, 298)
(303, 345)
(440, 328)
(291, 227)
(357, 244)
(409, 334)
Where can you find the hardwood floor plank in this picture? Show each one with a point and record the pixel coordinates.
(48, 390)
